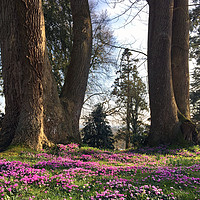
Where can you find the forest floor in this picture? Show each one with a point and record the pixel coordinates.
(70, 172)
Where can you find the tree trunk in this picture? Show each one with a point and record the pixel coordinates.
(168, 48)
(27, 78)
(73, 92)
(34, 114)
(162, 102)
(180, 50)
(128, 113)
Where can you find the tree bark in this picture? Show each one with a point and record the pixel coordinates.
(162, 102)
(34, 114)
(128, 113)
(180, 50)
(168, 47)
(73, 92)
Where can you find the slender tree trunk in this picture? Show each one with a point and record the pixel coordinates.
(135, 123)
(180, 50)
(162, 102)
(128, 113)
(34, 114)
(128, 121)
(73, 92)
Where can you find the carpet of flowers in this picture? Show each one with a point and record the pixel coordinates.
(70, 172)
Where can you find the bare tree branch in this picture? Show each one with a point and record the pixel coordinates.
(95, 94)
(120, 47)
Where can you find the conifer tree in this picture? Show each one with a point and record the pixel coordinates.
(59, 33)
(130, 92)
(97, 131)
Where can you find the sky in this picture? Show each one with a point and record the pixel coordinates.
(131, 28)
(130, 31)
(134, 33)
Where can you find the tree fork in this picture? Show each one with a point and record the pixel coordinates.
(34, 113)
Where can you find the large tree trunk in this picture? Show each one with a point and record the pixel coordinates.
(34, 113)
(27, 78)
(180, 50)
(73, 92)
(162, 102)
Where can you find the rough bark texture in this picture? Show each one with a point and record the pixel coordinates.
(162, 102)
(73, 92)
(180, 50)
(27, 77)
(34, 113)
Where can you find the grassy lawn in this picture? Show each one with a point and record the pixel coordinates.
(70, 172)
